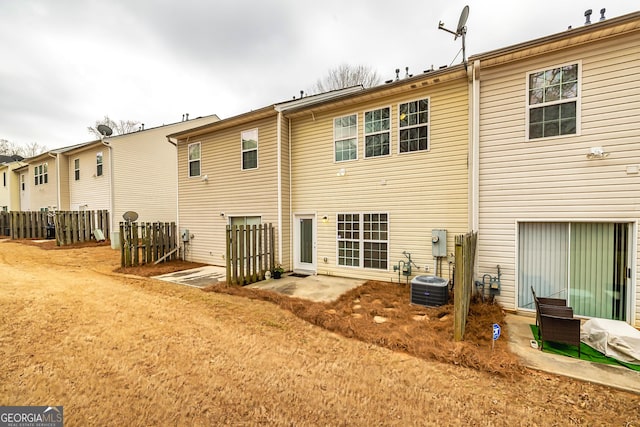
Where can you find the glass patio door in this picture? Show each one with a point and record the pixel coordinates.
(585, 263)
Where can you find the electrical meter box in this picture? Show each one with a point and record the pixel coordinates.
(439, 243)
(184, 234)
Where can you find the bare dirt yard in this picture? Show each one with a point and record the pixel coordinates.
(120, 349)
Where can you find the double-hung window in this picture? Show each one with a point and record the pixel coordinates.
(363, 240)
(414, 126)
(99, 163)
(377, 125)
(250, 149)
(553, 102)
(76, 169)
(194, 159)
(345, 136)
(41, 175)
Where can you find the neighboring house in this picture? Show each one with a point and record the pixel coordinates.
(9, 191)
(352, 180)
(557, 154)
(136, 172)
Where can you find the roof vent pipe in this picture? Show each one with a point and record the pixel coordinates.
(397, 74)
(186, 116)
(587, 15)
(602, 11)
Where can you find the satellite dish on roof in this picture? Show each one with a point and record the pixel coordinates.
(462, 21)
(105, 130)
(461, 31)
(130, 216)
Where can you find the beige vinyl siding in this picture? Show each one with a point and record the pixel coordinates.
(90, 192)
(551, 179)
(145, 172)
(230, 190)
(43, 195)
(420, 191)
(63, 170)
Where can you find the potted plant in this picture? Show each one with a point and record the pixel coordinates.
(277, 271)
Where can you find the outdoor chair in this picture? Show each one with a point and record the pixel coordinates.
(556, 323)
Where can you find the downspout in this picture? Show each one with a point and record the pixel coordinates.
(290, 216)
(475, 146)
(58, 180)
(112, 208)
(279, 163)
(175, 144)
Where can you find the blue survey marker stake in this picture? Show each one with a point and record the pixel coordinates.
(496, 334)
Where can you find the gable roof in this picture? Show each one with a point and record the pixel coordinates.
(12, 158)
(570, 38)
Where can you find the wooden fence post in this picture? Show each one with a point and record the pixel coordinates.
(465, 252)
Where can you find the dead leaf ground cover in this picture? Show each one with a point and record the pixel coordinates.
(116, 349)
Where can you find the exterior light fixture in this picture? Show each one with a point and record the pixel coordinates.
(325, 219)
(597, 153)
(205, 178)
(342, 172)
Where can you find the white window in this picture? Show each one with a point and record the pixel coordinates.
(363, 240)
(76, 169)
(250, 149)
(345, 137)
(377, 125)
(414, 126)
(99, 164)
(41, 175)
(4, 179)
(194, 159)
(22, 187)
(553, 102)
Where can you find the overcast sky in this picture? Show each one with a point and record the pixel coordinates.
(66, 63)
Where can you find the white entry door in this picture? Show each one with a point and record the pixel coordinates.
(304, 235)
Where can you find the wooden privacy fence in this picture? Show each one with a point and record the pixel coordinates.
(29, 225)
(250, 253)
(78, 226)
(5, 223)
(147, 242)
(463, 284)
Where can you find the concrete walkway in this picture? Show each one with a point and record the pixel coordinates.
(519, 342)
(315, 288)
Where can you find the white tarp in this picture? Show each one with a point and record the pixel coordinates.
(613, 338)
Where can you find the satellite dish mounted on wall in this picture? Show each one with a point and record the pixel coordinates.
(105, 130)
(130, 216)
(461, 31)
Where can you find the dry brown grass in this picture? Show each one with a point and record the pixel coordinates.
(119, 350)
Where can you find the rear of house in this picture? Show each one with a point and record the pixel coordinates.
(377, 176)
(558, 151)
(231, 173)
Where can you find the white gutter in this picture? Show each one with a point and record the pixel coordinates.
(279, 163)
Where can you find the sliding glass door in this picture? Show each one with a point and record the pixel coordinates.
(585, 263)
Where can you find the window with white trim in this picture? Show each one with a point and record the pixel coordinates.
(249, 149)
(345, 137)
(194, 159)
(40, 174)
(4, 179)
(377, 139)
(553, 102)
(99, 163)
(414, 125)
(22, 186)
(363, 240)
(76, 169)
